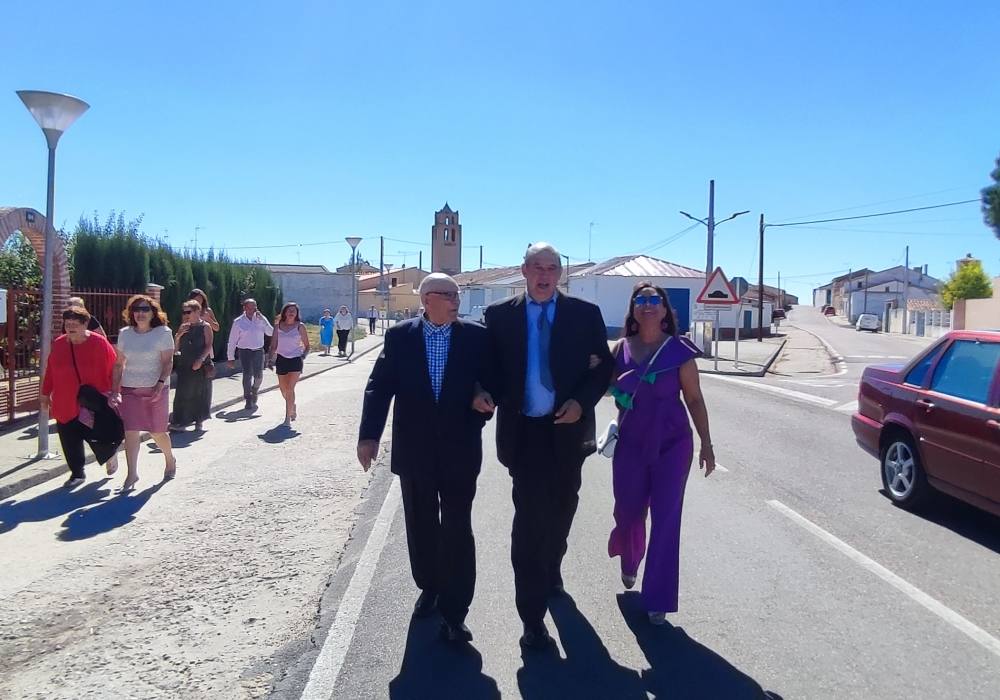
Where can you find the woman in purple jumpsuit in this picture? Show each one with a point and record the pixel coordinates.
(655, 367)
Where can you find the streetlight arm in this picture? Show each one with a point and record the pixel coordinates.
(730, 218)
(694, 218)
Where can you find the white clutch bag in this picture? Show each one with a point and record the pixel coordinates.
(607, 440)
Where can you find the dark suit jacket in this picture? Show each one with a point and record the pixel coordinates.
(428, 435)
(577, 333)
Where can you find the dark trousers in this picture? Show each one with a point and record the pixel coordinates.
(72, 437)
(546, 493)
(438, 513)
(342, 340)
(371, 325)
(252, 362)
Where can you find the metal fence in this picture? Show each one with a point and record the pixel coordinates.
(20, 353)
(106, 305)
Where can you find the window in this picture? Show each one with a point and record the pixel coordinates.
(966, 370)
(919, 371)
(447, 220)
(447, 236)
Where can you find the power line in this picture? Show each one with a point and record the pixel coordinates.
(870, 216)
(893, 233)
(875, 204)
(667, 241)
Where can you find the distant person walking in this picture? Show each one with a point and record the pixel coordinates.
(344, 323)
(289, 347)
(83, 358)
(246, 343)
(207, 315)
(326, 331)
(372, 320)
(145, 360)
(93, 325)
(654, 368)
(193, 351)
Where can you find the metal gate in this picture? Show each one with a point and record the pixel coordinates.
(20, 354)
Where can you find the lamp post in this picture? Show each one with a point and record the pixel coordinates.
(710, 224)
(353, 241)
(54, 113)
(386, 297)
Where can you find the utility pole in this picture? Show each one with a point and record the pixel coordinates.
(866, 291)
(420, 260)
(480, 257)
(710, 224)
(906, 293)
(847, 298)
(781, 295)
(590, 243)
(381, 265)
(760, 286)
(710, 266)
(196, 230)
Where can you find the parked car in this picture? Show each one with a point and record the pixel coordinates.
(868, 322)
(778, 314)
(829, 311)
(934, 423)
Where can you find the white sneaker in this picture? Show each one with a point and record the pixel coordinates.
(657, 618)
(628, 581)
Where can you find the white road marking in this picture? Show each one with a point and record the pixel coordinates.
(323, 676)
(963, 625)
(780, 391)
(849, 407)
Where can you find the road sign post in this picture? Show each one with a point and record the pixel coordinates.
(718, 292)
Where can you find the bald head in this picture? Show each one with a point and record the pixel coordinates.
(439, 295)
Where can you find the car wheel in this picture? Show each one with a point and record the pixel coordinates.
(902, 473)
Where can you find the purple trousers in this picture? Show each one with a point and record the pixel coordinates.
(653, 485)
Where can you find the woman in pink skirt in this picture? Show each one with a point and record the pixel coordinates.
(145, 359)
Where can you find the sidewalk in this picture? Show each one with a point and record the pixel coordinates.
(749, 359)
(20, 469)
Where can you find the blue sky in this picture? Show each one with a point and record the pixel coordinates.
(304, 122)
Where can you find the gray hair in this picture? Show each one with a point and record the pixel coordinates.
(75, 301)
(542, 248)
(435, 277)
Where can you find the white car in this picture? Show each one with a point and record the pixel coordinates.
(868, 322)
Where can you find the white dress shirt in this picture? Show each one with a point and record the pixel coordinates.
(248, 334)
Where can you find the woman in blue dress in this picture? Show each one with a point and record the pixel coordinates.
(326, 331)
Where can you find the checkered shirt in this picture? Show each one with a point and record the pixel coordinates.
(437, 340)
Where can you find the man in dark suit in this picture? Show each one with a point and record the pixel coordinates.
(551, 367)
(431, 365)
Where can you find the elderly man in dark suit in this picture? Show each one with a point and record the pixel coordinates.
(431, 366)
(551, 367)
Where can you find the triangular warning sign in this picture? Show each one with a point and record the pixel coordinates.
(717, 290)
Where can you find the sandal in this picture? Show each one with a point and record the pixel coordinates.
(171, 471)
(129, 485)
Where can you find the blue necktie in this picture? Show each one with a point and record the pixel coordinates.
(544, 340)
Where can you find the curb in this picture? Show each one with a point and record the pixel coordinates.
(759, 373)
(59, 467)
(839, 364)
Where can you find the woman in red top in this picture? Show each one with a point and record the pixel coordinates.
(82, 357)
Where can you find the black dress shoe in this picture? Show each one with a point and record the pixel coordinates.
(536, 637)
(459, 633)
(426, 604)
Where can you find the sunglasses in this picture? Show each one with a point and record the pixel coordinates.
(450, 296)
(642, 300)
(143, 309)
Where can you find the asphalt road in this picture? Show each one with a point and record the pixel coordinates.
(798, 577)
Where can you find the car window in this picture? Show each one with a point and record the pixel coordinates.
(919, 371)
(966, 370)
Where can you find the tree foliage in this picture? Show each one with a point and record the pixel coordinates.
(969, 281)
(991, 202)
(19, 266)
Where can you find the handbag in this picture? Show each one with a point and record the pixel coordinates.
(609, 438)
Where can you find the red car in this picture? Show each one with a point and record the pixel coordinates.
(935, 422)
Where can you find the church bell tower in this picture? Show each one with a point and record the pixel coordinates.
(446, 242)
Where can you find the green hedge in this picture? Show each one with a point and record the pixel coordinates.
(117, 255)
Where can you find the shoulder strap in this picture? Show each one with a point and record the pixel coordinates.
(646, 366)
(75, 368)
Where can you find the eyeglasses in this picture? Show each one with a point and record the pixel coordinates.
(642, 300)
(143, 309)
(450, 296)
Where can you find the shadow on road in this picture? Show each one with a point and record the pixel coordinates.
(237, 416)
(114, 512)
(587, 671)
(278, 434)
(961, 518)
(433, 668)
(680, 667)
(51, 504)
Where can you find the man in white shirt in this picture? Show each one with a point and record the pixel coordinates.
(246, 342)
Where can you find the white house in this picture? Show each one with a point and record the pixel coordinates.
(877, 291)
(312, 287)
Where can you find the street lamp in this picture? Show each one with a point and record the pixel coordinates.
(353, 241)
(54, 113)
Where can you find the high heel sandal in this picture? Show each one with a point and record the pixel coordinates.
(129, 485)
